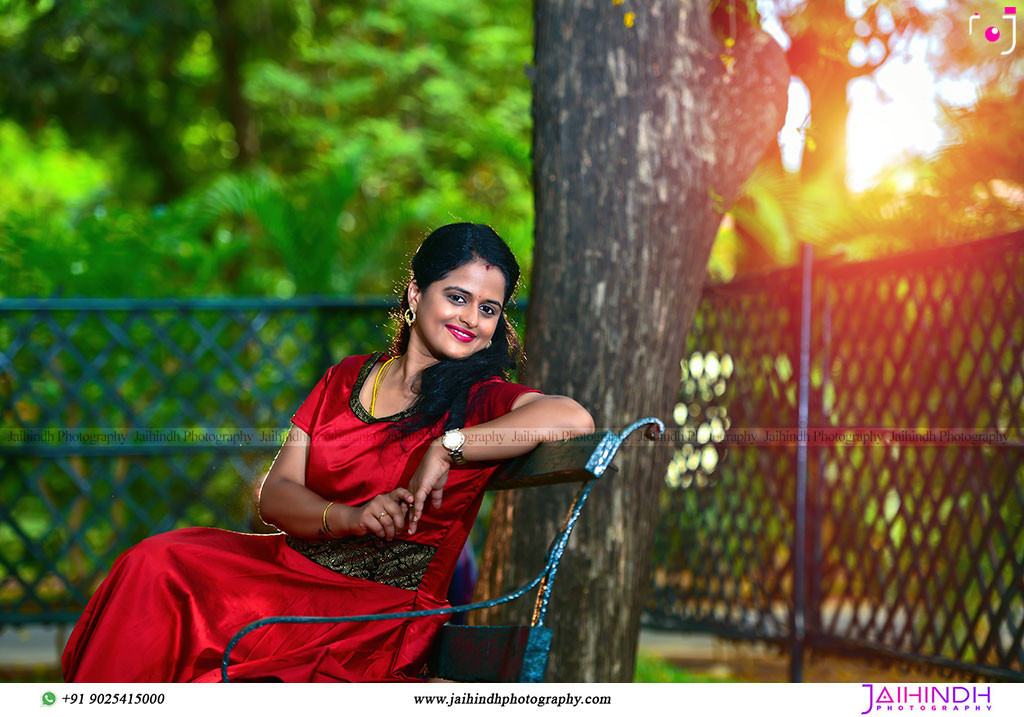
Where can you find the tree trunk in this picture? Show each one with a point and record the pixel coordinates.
(229, 54)
(638, 127)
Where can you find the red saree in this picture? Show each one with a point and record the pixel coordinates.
(170, 603)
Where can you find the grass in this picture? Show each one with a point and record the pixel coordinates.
(37, 673)
(651, 668)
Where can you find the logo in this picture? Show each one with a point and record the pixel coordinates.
(948, 698)
(992, 34)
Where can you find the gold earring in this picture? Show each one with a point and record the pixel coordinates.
(488, 344)
(410, 316)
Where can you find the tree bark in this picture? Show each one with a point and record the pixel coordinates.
(230, 55)
(642, 137)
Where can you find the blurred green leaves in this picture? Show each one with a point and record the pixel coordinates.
(262, 148)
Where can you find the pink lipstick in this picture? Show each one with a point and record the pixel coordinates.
(461, 334)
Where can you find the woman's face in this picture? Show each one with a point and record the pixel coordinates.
(457, 315)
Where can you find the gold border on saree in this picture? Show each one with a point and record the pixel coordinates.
(397, 563)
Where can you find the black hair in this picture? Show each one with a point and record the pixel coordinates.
(444, 386)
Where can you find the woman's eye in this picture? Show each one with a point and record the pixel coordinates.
(490, 309)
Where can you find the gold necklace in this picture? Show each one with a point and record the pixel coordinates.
(376, 384)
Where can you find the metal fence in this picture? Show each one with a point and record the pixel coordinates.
(906, 550)
(99, 398)
(124, 418)
(903, 545)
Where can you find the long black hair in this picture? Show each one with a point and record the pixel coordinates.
(444, 386)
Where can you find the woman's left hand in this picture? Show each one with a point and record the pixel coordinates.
(430, 477)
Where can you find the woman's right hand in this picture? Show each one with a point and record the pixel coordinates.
(383, 515)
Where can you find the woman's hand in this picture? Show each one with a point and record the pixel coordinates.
(430, 477)
(383, 515)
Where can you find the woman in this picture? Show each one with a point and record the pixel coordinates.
(374, 490)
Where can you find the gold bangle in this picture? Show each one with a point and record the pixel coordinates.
(326, 528)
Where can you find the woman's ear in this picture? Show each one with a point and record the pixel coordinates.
(413, 294)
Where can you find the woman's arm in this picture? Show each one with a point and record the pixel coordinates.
(286, 503)
(534, 418)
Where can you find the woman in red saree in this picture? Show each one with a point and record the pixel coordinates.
(375, 491)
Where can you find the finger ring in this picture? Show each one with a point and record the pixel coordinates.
(382, 514)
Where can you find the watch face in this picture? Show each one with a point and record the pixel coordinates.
(452, 439)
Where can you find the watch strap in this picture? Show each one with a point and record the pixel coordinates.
(456, 453)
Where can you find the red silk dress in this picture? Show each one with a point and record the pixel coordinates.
(171, 603)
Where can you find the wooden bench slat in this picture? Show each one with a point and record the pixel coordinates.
(576, 459)
(575, 475)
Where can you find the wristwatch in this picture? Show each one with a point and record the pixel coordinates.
(453, 440)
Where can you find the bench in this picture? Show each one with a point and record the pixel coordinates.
(510, 653)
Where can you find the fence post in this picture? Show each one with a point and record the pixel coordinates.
(815, 489)
(798, 635)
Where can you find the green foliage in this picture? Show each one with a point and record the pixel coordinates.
(45, 173)
(272, 148)
(115, 76)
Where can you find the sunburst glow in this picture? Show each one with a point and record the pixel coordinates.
(892, 115)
